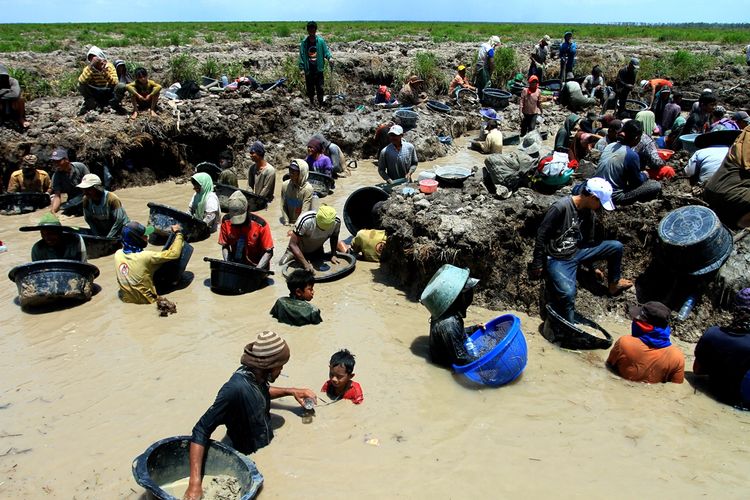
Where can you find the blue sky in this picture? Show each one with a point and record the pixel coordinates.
(564, 11)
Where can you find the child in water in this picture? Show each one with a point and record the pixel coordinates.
(296, 310)
(340, 374)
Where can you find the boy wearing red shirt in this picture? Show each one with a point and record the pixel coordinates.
(340, 374)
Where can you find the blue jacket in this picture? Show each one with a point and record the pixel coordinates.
(569, 50)
(323, 53)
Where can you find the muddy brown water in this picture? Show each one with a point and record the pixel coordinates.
(85, 390)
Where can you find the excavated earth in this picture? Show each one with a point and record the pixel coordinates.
(464, 226)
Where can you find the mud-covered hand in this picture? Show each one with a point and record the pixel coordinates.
(535, 271)
(176, 228)
(334, 259)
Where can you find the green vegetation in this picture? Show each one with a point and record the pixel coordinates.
(427, 67)
(678, 65)
(183, 67)
(506, 66)
(49, 37)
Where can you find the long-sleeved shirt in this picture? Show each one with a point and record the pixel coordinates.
(625, 79)
(305, 63)
(620, 166)
(648, 152)
(337, 158)
(39, 183)
(394, 164)
(243, 405)
(12, 92)
(151, 88)
(107, 217)
(562, 230)
(135, 271)
(590, 84)
(71, 247)
(531, 102)
(705, 162)
(105, 78)
(671, 112)
(568, 50)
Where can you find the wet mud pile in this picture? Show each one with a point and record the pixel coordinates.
(494, 238)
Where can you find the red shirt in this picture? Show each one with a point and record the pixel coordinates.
(255, 231)
(354, 393)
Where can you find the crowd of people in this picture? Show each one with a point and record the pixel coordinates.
(629, 170)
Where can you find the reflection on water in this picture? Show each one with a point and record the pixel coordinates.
(87, 389)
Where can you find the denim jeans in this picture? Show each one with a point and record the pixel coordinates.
(562, 273)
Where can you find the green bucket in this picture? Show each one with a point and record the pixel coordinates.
(444, 287)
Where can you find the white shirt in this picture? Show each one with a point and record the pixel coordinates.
(706, 161)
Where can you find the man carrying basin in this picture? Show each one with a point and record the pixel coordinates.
(56, 242)
(135, 266)
(310, 233)
(102, 210)
(398, 160)
(564, 242)
(243, 405)
(245, 237)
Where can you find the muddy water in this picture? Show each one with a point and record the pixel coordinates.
(85, 390)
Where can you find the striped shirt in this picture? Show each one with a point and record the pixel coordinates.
(96, 78)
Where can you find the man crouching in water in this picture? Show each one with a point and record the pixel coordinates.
(243, 405)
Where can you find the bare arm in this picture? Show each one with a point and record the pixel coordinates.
(56, 202)
(266, 259)
(195, 485)
(297, 252)
(279, 392)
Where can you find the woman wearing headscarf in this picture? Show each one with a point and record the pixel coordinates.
(204, 205)
(296, 192)
(565, 132)
(316, 160)
(581, 144)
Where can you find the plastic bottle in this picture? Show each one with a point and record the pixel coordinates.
(224, 80)
(471, 348)
(3, 248)
(687, 306)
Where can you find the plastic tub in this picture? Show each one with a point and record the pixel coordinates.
(665, 154)
(170, 274)
(688, 99)
(503, 353)
(22, 203)
(428, 186)
(426, 174)
(556, 329)
(232, 278)
(322, 184)
(48, 281)
(358, 208)
(406, 118)
(209, 168)
(443, 288)
(632, 108)
(438, 106)
(452, 176)
(163, 217)
(694, 241)
(167, 461)
(688, 142)
(495, 98)
(324, 270)
(255, 203)
(97, 246)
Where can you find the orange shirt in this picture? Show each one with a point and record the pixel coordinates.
(658, 83)
(255, 232)
(636, 361)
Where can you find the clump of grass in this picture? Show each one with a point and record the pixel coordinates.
(679, 65)
(174, 39)
(209, 38)
(289, 70)
(506, 66)
(66, 84)
(210, 67)
(426, 66)
(283, 31)
(183, 67)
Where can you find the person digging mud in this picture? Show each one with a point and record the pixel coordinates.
(333, 152)
(56, 242)
(312, 54)
(243, 405)
(564, 242)
(29, 179)
(261, 176)
(66, 178)
(12, 103)
(244, 236)
(144, 93)
(593, 84)
(316, 160)
(573, 98)
(539, 57)
(135, 266)
(310, 233)
(567, 53)
(398, 160)
(102, 210)
(625, 83)
(655, 85)
(99, 84)
(412, 92)
(459, 82)
(613, 129)
(620, 166)
(447, 296)
(493, 139)
(296, 192)
(485, 64)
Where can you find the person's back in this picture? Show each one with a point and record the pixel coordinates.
(616, 166)
(723, 353)
(635, 361)
(370, 243)
(705, 163)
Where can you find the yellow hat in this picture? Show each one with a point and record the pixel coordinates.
(326, 217)
(461, 67)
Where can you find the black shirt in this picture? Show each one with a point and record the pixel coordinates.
(562, 231)
(244, 406)
(725, 357)
(447, 338)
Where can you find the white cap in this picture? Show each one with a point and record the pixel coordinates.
(644, 83)
(601, 189)
(494, 40)
(396, 130)
(89, 180)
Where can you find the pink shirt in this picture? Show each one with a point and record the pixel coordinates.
(530, 101)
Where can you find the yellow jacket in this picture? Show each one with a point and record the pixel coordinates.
(96, 78)
(135, 271)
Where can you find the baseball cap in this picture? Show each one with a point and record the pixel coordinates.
(138, 229)
(741, 115)
(635, 62)
(59, 154)
(29, 161)
(601, 189)
(326, 217)
(546, 38)
(654, 313)
(237, 208)
(644, 83)
(89, 180)
(396, 130)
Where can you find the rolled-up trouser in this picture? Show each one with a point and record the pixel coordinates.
(647, 191)
(562, 273)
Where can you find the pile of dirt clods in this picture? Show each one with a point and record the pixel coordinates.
(494, 238)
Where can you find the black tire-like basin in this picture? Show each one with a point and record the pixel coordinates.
(97, 246)
(322, 184)
(358, 207)
(255, 203)
(233, 278)
(323, 270)
(47, 281)
(557, 329)
(22, 203)
(495, 98)
(163, 217)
